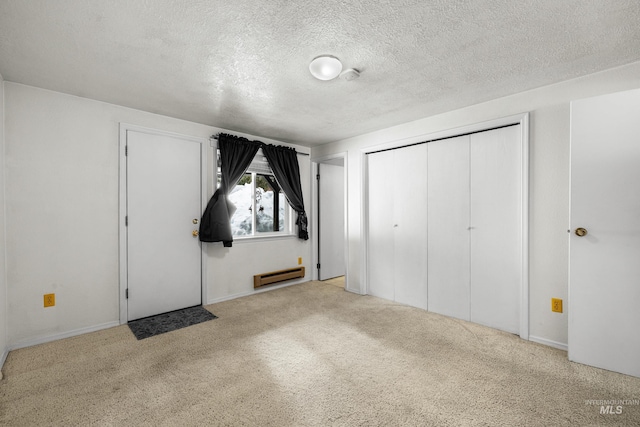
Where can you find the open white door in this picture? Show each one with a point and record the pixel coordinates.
(604, 288)
(331, 220)
(164, 259)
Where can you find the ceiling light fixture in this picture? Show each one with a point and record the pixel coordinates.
(325, 67)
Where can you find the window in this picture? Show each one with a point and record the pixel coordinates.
(261, 207)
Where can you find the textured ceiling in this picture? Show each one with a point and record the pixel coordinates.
(243, 65)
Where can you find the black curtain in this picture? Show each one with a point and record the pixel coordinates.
(236, 155)
(284, 164)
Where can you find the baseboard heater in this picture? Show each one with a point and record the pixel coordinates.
(277, 276)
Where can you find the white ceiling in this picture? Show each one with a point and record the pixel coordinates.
(243, 64)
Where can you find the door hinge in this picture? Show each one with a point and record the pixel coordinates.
(318, 266)
(126, 221)
(126, 293)
(318, 177)
(126, 150)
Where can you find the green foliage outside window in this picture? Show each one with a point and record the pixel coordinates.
(261, 182)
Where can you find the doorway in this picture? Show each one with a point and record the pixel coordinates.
(161, 193)
(331, 224)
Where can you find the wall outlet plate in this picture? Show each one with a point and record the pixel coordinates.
(556, 305)
(49, 300)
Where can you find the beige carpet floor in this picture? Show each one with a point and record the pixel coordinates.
(308, 355)
(336, 281)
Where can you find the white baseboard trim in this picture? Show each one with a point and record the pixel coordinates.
(55, 337)
(253, 292)
(550, 343)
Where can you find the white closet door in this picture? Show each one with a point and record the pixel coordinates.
(381, 233)
(448, 223)
(410, 225)
(496, 228)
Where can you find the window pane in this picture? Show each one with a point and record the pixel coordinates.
(241, 197)
(283, 203)
(265, 207)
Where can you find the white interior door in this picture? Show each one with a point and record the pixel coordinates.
(331, 221)
(448, 222)
(163, 200)
(604, 286)
(409, 178)
(381, 233)
(496, 228)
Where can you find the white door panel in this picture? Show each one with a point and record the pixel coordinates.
(331, 207)
(410, 225)
(496, 228)
(604, 289)
(381, 234)
(163, 199)
(449, 227)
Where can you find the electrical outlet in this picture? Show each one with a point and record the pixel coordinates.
(300, 261)
(556, 305)
(49, 300)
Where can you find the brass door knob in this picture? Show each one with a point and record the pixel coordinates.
(581, 232)
(195, 220)
(194, 233)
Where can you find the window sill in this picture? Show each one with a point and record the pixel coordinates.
(262, 238)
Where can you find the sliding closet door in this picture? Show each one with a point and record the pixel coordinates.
(397, 207)
(448, 223)
(410, 225)
(446, 226)
(496, 228)
(381, 233)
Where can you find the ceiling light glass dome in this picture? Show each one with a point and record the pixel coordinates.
(325, 67)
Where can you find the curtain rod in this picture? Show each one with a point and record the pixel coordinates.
(297, 152)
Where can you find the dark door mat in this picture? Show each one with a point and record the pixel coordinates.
(167, 322)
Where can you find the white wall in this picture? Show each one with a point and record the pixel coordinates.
(3, 277)
(549, 182)
(62, 163)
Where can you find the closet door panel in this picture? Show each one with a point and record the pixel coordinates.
(381, 233)
(448, 227)
(410, 225)
(496, 228)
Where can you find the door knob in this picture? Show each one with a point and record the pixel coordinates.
(195, 220)
(194, 233)
(581, 232)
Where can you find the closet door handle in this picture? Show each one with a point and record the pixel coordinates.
(581, 232)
